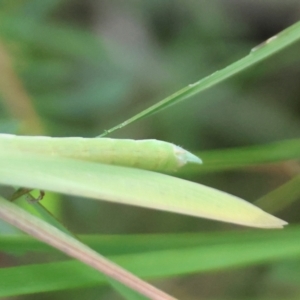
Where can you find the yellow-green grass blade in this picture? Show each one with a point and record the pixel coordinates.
(272, 45)
(205, 252)
(129, 186)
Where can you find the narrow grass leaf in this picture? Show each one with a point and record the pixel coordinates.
(234, 158)
(263, 51)
(49, 218)
(49, 234)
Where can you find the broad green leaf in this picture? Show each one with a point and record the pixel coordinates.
(49, 234)
(129, 186)
(215, 251)
(270, 47)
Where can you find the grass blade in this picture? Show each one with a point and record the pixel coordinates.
(234, 158)
(270, 47)
(129, 186)
(49, 234)
(215, 251)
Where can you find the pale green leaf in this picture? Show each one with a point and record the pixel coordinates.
(129, 186)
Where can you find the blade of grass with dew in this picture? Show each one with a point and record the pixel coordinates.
(220, 251)
(49, 234)
(129, 186)
(282, 40)
(234, 158)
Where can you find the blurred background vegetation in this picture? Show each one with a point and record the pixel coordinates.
(76, 68)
